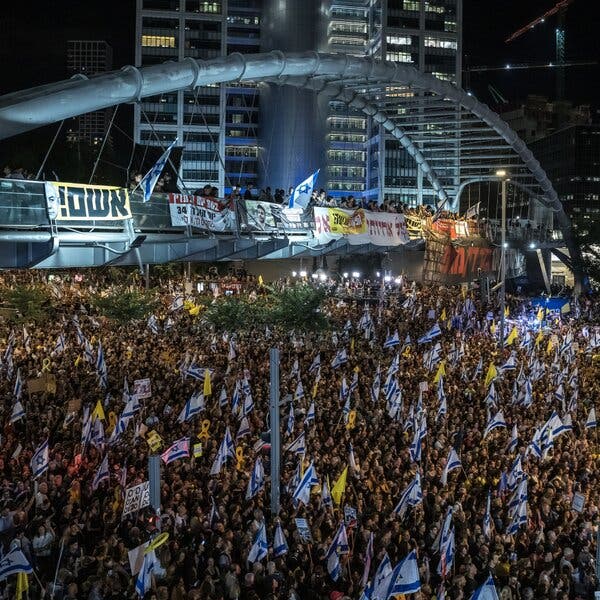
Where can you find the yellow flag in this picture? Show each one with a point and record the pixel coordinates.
(339, 487)
(352, 345)
(539, 339)
(565, 309)
(194, 310)
(512, 336)
(78, 360)
(549, 347)
(314, 390)
(492, 373)
(98, 412)
(443, 317)
(22, 585)
(493, 328)
(540, 314)
(260, 280)
(441, 372)
(506, 311)
(207, 383)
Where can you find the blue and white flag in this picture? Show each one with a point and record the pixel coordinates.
(369, 552)
(446, 545)
(102, 474)
(496, 422)
(340, 359)
(290, 421)
(326, 494)
(486, 592)
(405, 577)
(487, 517)
(153, 324)
(177, 450)
(18, 389)
(176, 304)
(478, 370)
(517, 508)
(18, 412)
(143, 583)
(392, 340)
(40, 460)
(302, 492)
(376, 385)
(260, 547)
(434, 332)
(223, 397)
(244, 429)
(280, 546)
(149, 180)
(59, 348)
(339, 545)
(225, 451)
(14, 562)
(591, 422)
(452, 463)
(194, 406)
(411, 496)
(298, 446)
(509, 365)
(310, 415)
(299, 393)
(257, 479)
(316, 364)
(382, 579)
(302, 193)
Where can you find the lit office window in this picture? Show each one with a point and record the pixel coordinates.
(158, 41)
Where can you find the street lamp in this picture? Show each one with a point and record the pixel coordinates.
(503, 175)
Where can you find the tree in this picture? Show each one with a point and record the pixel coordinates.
(125, 307)
(298, 307)
(587, 236)
(31, 302)
(234, 314)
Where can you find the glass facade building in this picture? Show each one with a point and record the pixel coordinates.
(241, 134)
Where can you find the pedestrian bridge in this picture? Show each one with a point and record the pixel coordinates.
(55, 225)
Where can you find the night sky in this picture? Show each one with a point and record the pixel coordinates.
(33, 35)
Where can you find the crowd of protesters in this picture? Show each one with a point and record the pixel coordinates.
(75, 535)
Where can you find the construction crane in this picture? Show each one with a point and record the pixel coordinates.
(559, 9)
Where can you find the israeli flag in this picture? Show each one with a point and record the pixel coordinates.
(515, 474)
(496, 422)
(509, 365)
(225, 451)
(486, 592)
(339, 544)
(405, 577)
(412, 496)
(302, 492)
(567, 423)
(376, 385)
(223, 397)
(591, 422)
(302, 193)
(299, 391)
(393, 340)
(40, 460)
(18, 389)
(326, 495)
(382, 579)
(452, 463)
(149, 181)
(257, 479)
(18, 412)
(153, 324)
(179, 449)
(340, 359)
(260, 547)
(59, 348)
(316, 364)
(102, 474)
(310, 415)
(143, 583)
(487, 517)
(434, 332)
(248, 405)
(394, 366)
(244, 429)
(514, 440)
(280, 546)
(14, 562)
(478, 370)
(194, 406)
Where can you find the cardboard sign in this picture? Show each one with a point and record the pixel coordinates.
(154, 440)
(578, 502)
(142, 388)
(136, 498)
(45, 383)
(303, 530)
(350, 516)
(136, 558)
(197, 450)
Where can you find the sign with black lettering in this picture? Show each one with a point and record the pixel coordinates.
(78, 202)
(136, 498)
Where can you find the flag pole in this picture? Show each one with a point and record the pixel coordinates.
(275, 430)
(62, 547)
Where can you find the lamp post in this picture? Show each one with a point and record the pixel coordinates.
(503, 176)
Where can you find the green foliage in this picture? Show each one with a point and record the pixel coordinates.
(32, 303)
(125, 307)
(234, 314)
(587, 235)
(298, 307)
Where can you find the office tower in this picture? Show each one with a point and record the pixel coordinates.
(89, 57)
(263, 134)
(426, 34)
(216, 124)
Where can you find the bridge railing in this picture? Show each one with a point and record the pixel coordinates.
(23, 204)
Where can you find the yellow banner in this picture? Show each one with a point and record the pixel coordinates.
(344, 224)
(79, 202)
